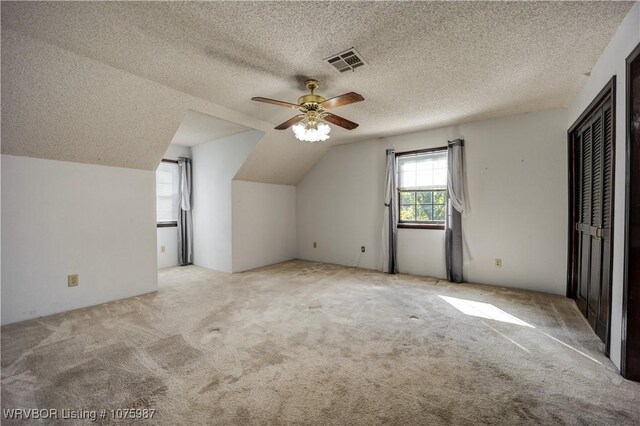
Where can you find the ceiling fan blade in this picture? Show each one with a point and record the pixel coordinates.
(346, 99)
(276, 102)
(290, 122)
(339, 121)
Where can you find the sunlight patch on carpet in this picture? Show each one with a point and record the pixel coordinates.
(483, 310)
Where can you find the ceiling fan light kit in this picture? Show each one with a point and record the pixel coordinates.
(311, 125)
(307, 133)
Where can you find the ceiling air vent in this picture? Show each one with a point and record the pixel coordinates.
(348, 60)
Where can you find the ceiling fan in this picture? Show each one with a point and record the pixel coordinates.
(310, 125)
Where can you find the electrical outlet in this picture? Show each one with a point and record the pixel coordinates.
(163, 249)
(498, 263)
(362, 249)
(72, 280)
(315, 245)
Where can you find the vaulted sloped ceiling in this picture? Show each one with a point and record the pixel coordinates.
(62, 106)
(123, 74)
(196, 128)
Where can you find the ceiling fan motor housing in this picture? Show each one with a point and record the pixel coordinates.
(311, 102)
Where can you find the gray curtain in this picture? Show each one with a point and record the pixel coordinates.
(390, 217)
(458, 204)
(185, 224)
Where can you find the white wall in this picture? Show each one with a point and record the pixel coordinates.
(61, 218)
(264, 224)
(339, 206)
(167, 239)
(613, 62)
(215, 164)
(517, 185)
(168, 236)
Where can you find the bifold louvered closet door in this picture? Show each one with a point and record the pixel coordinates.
(593, 177)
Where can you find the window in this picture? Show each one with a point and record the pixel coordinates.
(422, 188)
(167, 201)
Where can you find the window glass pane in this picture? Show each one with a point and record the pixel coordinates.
(439, 197)
(440, 160)
(440, 177)
(438, 212)
(407, 180)
(407, 164)
(407, 198)
(423, 197)
(423, 171)
(424, 212)
(424, 162)
(164, 208)
(167, 202)
(424, 178)
(407, 213)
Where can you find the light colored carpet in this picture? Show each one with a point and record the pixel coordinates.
(308, 343)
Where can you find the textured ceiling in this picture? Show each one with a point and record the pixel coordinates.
(429, 63)
(62, 106)
(196, 128)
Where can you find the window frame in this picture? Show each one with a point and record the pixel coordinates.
(417, 224)
(173, 223)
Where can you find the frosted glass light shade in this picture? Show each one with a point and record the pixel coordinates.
(307, 133)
